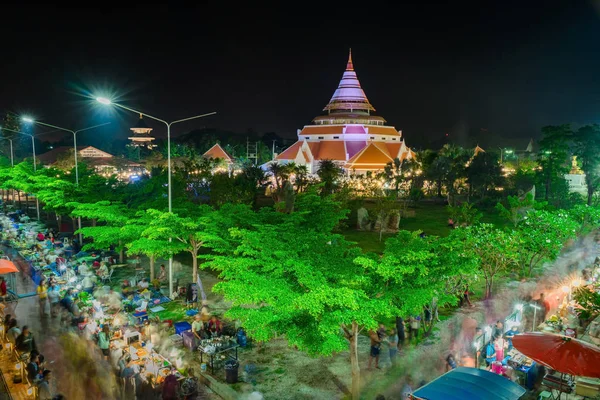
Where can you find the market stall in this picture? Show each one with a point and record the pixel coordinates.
(217, 351)
(567, 359)
(469, 383)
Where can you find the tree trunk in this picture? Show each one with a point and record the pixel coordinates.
(354, 362)
(74, 221)
(121, 253)
(94, 221)
(19, 195)
(439, 188)
(590, 194)
(151, 268)
(489, 282)
(194, 266)
(27, 204)
(59, 221)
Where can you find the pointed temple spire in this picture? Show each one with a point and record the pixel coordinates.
(349, 66)
(349, 96)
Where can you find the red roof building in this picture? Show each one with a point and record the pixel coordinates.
(348, 134)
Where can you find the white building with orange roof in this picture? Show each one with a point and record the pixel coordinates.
(348, 134)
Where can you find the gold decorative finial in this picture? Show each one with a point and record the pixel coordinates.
(350, 66)
(141, 116)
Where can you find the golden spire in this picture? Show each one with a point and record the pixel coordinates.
(349, 66)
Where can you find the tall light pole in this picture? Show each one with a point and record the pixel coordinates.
(37, 202)
(105, 101)
(31, 121)
(12, 164)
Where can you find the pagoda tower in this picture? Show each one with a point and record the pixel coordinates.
(141, 135)
(348, 134)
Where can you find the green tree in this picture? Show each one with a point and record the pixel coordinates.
(112, 216)
(587, 150)
(517, 208)
(587, 218)
(483, 173)
(495, 249)
(464, 214)
(290, 275)
(541, 236)
(553, 159)
(329, 173)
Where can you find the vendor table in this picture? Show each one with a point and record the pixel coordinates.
(218, 358)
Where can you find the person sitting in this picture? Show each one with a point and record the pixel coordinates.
(25, 342)
(83, 269)
(102, 271)
(143, 284)
(41, 237)
(88, 283)
(162, 275)
(198, 329)
(214, 326)
(33, 367)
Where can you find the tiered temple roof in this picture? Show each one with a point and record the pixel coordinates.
(348, 133)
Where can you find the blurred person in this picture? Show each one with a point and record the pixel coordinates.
(498, 329)
(54, 299)
(450, 362)
(44, 391)
(215, 327)
(401, 331)
(42, 292)
(13, 332)
(25, 342)
(392, 341)
(104, 341)
(32, 368)
(375, 349)
(162, 275)
(170, 388)
(3, 288)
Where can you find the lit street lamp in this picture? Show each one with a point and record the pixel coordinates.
(31, 121)
(37, 202)
(105, 101)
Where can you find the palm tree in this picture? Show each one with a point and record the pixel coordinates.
(329, 172)
(279, 173)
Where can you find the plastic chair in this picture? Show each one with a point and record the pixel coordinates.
(108, 278)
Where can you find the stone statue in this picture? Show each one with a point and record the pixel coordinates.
(362, 220)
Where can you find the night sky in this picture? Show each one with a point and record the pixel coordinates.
(507, 67)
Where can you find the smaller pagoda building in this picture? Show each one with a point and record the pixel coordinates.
(141, 135)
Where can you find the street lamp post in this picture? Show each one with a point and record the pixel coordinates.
(31, 121)
(37, 202)
(535, 308)
(105, 101)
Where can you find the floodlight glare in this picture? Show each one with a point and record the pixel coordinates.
(103, 100)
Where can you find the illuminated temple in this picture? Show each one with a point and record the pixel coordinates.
(348, 134)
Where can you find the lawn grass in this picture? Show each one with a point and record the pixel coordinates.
(428, 217)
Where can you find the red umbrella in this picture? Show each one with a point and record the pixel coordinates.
(7, 266)
(560, 353)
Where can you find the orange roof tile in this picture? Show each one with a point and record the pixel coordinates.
(393, 149)
(322, 130)
(217, 152)
(384, 130)
(314, 148)
(372, 154)
(291, 152)
(331, 150)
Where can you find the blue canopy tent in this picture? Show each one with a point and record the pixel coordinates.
(469, 383)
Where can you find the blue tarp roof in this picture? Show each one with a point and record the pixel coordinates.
(470, 383)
